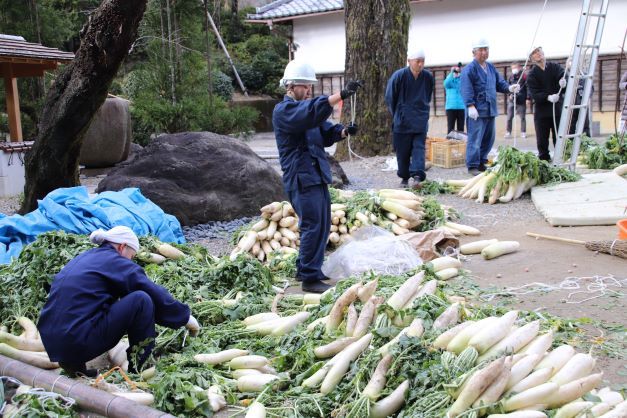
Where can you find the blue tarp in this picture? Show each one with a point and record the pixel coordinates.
(72, 210)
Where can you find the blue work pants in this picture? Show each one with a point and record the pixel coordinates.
(480, 140)
(410, 155)
(313, 206)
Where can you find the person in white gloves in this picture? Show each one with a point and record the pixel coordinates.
(101, 296)
(479, 84)
(546, 84)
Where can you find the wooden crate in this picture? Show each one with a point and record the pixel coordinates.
(448, 154)
(429, 150)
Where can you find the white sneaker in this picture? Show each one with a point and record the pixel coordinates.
(523, 135)
(508, 135)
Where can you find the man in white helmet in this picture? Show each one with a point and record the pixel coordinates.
(302, 132)
(480, 82)
(100, 296)
(408, 98)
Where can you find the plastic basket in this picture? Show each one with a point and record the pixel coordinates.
(428, 148)
(448, 154)
(622, 229)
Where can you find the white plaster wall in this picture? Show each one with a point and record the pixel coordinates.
(445, 29)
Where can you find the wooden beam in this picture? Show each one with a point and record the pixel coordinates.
(13, 104)
(28, 70)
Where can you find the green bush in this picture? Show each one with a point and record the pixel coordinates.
(222, 85)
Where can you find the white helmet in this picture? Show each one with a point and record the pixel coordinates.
(416, 53)
(480, 43)
(298, 72)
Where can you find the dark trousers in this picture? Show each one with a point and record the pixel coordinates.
(134, 314)
(410, 155)
(313, 206)
(544, 128)
(453, 117)
(521, 110)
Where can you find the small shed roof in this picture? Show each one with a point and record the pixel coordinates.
(280, 9)
(15, 49)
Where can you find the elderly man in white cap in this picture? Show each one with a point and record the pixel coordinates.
(100, 296)
(408, 98)
(480, 82)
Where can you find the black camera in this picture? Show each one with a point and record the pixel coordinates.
(456, 70)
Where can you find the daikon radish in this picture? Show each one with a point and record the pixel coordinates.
(237, 373)
(491, 335)
(272, 207)
(366, 316)
(254, 382)
(319, 321)
(30, 329)
(557, 358)
(334, 237)
(621, 170)
(572, 409)
(117, 355)
(470, 184)
(447, 318)
(27, 357)
(248, 362)
(216, 398)
(334, 347)
(534, 379)
(287, 222)
(317, 378)
(337, 311)
(520, 414)
(447, 274)
(497, 387)
(290, 323)
(599, 409)
(580, 365)
(405, 291)
(342, 363)
(460, 341)
(415, 329)
(499, 248)
(220, 357)
(451, 231)
(260, 317)
(148, 373)
(495, 192)
(272, 229)
(476, 247)
(256, 410)
(142, 398)
(572, 390)
(536, 395)
(334, 228)
(444, 263)
(429, 288)
(260, 225)
(398, 194)
(457, 183)
(509, 195)
(522, 369)
(21, 343)
(378, 379)
(619, 411)
(246, 242)
(514, 341)
(474, 387)
(399, 210)
(539, 345)
(610, 397)
(367, 290)
(446, 337)
(351, 320)
(390, 404)
(464, 229)
(173, 253)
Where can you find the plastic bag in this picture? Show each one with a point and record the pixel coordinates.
(372, 248)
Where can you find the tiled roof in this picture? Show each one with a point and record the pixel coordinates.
(17, 47)
(286, 8)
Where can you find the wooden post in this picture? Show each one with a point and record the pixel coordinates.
(13, 105)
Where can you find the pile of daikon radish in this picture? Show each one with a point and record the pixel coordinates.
(26, 347)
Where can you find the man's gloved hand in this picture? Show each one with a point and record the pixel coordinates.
(562, 82)
(351, 88)
(472, 113)
(351, 129)
(193, 326)
(553, 98)
(514, 88)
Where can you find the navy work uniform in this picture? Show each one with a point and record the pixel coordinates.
(479, 87)
(96, 299)
(302, 131)
(408, 100)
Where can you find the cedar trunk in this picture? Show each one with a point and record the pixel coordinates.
(77, 93)
(376, 46)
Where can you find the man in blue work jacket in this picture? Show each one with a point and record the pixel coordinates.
(480, 82)
(408, 97)
(100, 296)
(302, 132)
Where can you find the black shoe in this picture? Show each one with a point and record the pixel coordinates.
(315, 287)
(404, 183)
(417, 185)
(77, 370)
(482, 167)
(474, 171)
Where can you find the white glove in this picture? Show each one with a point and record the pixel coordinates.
(562, 82)
(514, 88)
(472, 113)
(553, 98)
(193, 326)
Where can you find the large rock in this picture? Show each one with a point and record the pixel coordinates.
(340, 179)
(199, 177)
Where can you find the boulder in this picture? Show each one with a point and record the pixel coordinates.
(340, 179)
(199, 177)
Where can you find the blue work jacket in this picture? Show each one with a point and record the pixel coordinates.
(302, 132)
(452, 85)
(408, 99)
(479, 88)
(84, 290)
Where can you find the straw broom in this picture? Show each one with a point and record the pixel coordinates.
(617, 248)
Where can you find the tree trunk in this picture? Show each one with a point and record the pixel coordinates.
(376, 46)
(208, 45)
(171, 59)
(77, 93)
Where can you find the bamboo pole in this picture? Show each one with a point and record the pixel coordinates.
(87, 397)
(554, 238)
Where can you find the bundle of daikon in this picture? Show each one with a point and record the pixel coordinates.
(514, 173)
(26, 347)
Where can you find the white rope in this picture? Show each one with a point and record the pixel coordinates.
(348, 137)
(595, 286)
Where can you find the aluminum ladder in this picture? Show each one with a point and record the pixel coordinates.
(584, 60)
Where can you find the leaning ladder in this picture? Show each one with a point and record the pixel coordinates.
(581, 69)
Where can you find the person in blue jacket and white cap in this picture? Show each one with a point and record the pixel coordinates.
(100, 296)
(302, 132)
(408, 98)
(479, 84)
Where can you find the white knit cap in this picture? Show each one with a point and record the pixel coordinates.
(416, 53)
(116, 235)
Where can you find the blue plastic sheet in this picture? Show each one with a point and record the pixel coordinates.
(72, 210)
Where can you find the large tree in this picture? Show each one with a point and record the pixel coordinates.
(376, 46)
(77, 93)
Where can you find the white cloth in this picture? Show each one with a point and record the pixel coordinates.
(553, 98)
(116, 235)
(473, 113)
(514, 88)
(417, 53)
(562, 82)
